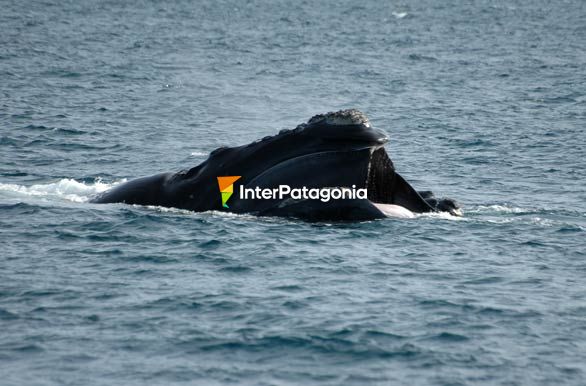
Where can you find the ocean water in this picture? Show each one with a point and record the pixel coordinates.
(484, 102)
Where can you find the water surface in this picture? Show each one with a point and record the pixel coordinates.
(484, 101)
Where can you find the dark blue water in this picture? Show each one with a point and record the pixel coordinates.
(484, 101)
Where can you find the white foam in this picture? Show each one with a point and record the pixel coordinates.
(164, 209)
(199, 153)
(66, 188)
(501, 209)
(399, 15)
(212, 213)
(442, 215)
(221, 213)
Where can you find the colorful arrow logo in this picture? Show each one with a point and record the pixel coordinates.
(226, 185)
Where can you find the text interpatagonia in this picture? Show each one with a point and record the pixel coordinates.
(303, 193)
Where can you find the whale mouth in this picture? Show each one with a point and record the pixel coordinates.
(386, 187)
(380, 177)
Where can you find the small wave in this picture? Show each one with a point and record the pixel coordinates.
(423, 58)
(441, 215)
(164, 209)
(211, 213)
(66, 188)
(399, 15)
(449, 337)
(571, 228)
(58, 130)
(502, 209)
(219, 213)
(565, 220)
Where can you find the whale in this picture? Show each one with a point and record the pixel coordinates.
(335, 150)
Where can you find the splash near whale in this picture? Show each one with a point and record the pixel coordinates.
(336, 155)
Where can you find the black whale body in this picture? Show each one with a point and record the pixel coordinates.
(338, 149)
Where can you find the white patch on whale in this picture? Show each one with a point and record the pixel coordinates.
(391, 210)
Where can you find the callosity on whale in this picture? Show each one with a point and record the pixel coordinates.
(333, 150)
